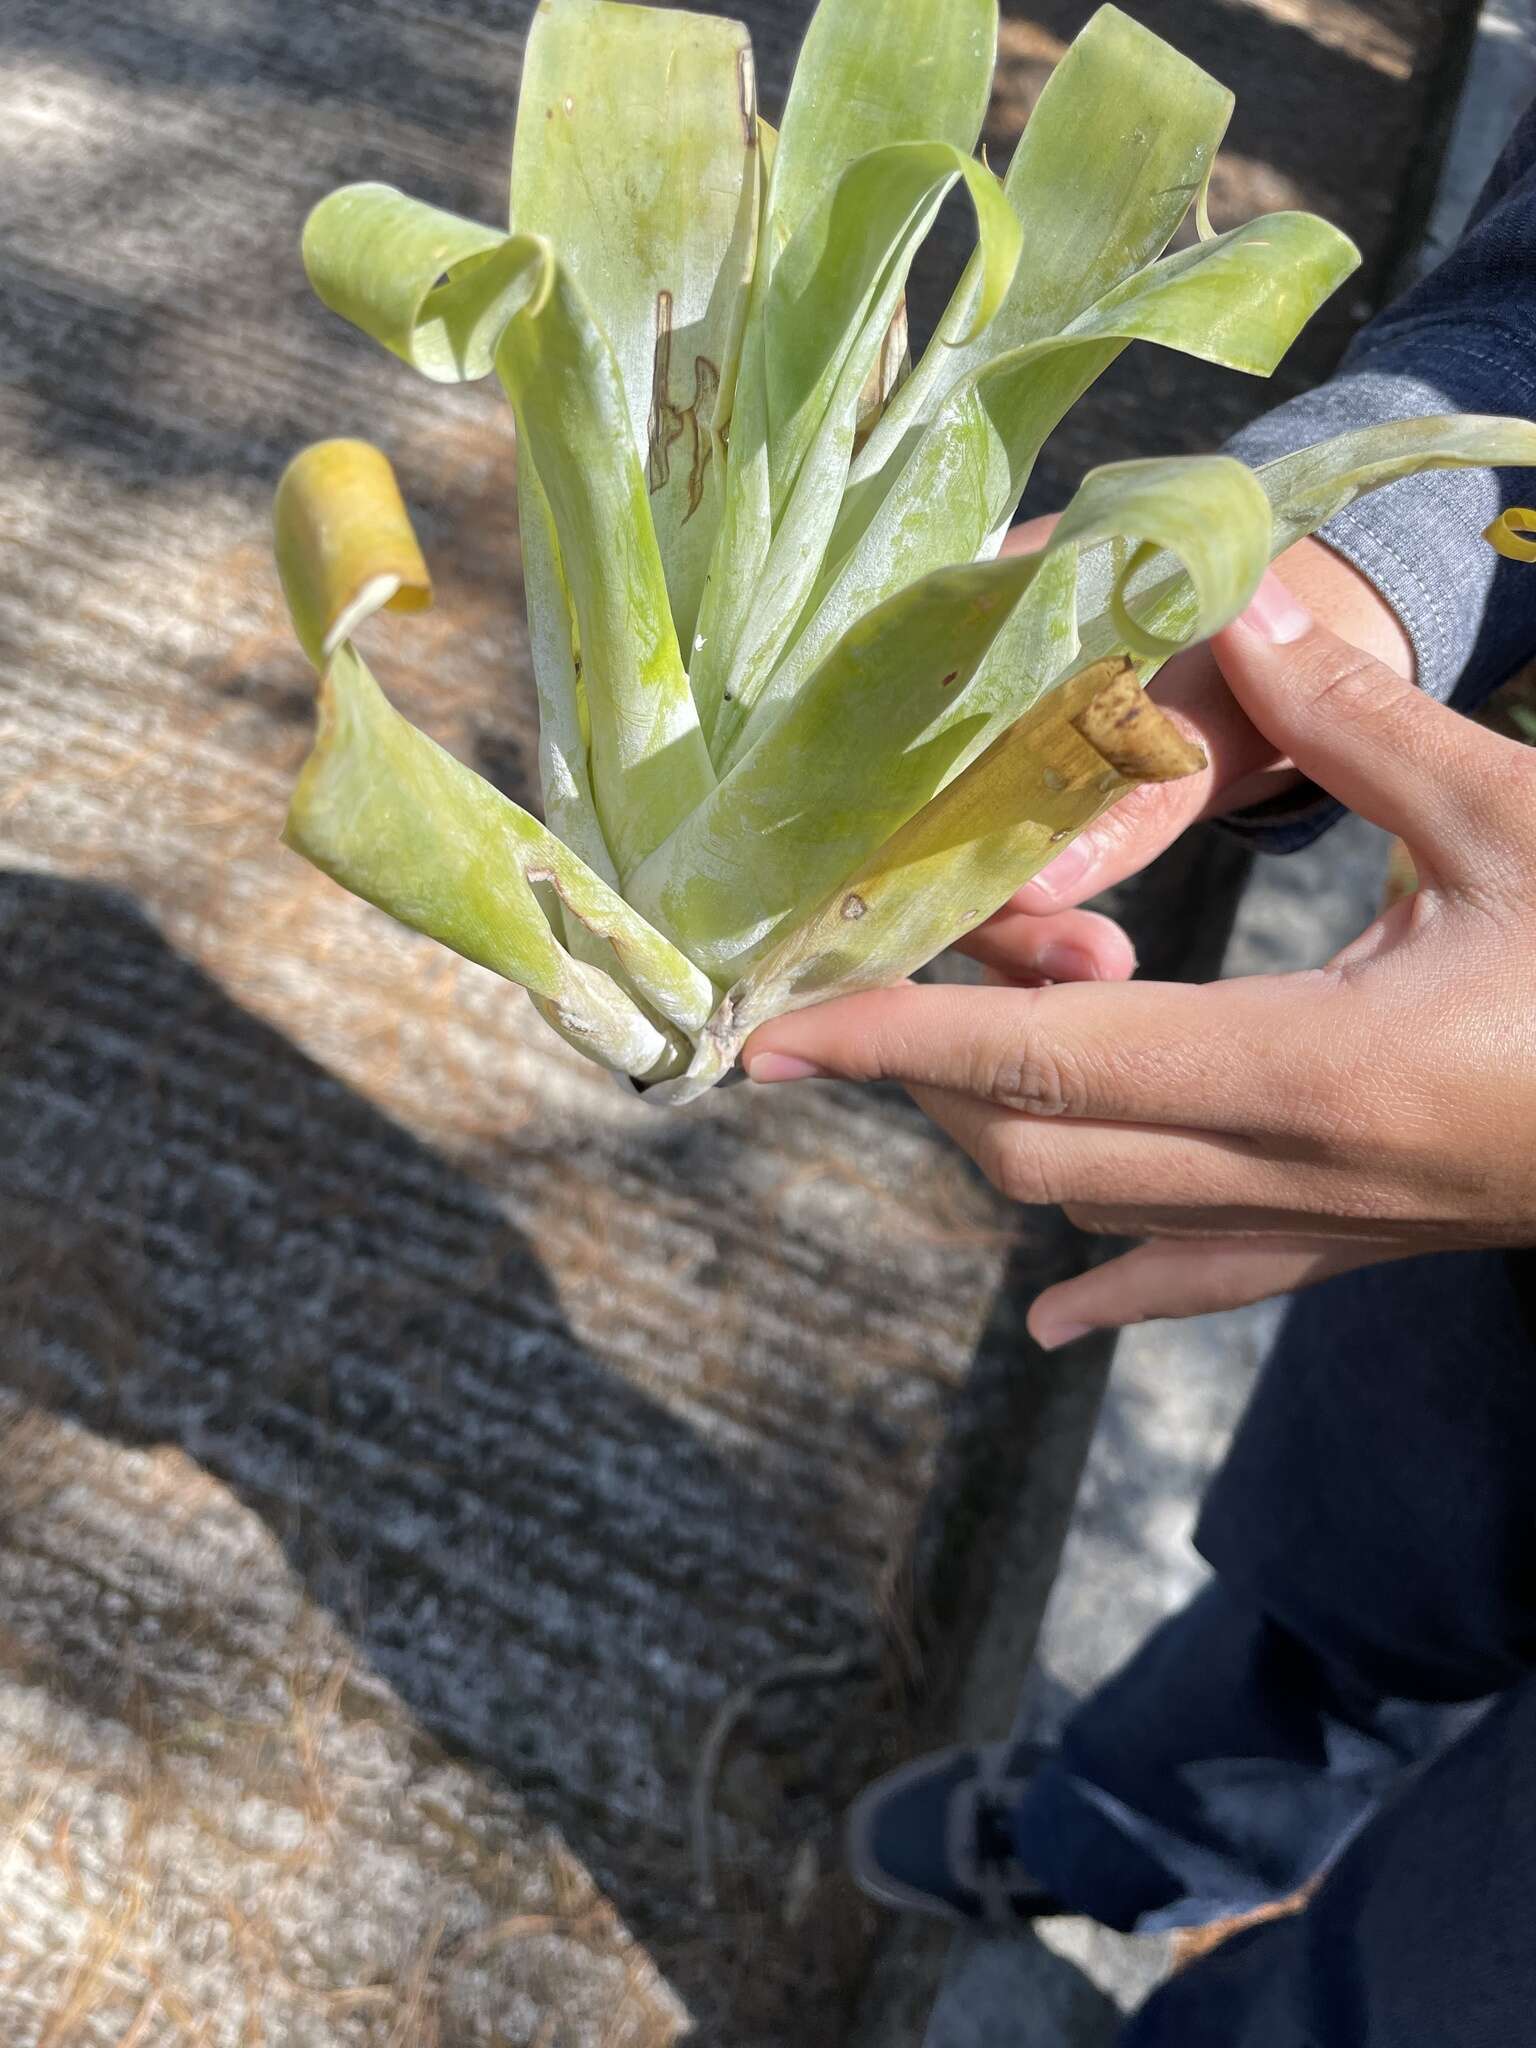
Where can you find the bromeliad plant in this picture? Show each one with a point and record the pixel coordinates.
(801, 728)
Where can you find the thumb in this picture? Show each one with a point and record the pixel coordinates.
(1372, 739)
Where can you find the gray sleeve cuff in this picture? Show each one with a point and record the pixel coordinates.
(1470, 615)
(1462, 340)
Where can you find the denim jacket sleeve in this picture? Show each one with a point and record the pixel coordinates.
(1462, 340)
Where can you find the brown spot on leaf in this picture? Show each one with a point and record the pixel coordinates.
(854, 907)
(669, 422)
(666, 422)
(953, 676)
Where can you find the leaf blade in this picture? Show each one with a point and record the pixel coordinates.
(857, 86)
(1238, 300)
(623, 109)
(344, 543)
(650, 766)
(1122, 138)
(397, 821)
(820, 327)
(899, 707)
(435, 290)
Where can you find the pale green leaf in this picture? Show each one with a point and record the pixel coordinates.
(939, 876)
(1306, 489)
(401, 823)
(1239, 300)
(435, 290)
(1120, 141)
(650, 766)
(872, 72)
(837, 271)
(564, 773)
(824, 318)
(376, 257)
(894, 713)
(636, 155)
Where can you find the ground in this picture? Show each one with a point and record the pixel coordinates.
(411, 1440)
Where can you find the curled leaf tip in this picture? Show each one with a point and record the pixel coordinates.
(1203, 226)
(345, 544)
(1000, 237)
(1133, 734)
(1513, 534)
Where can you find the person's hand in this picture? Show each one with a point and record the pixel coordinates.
(1040, 935)
(1272, 1131)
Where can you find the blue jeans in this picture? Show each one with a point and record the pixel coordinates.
(1355, 1692)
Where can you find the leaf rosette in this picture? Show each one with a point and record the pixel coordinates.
(801, 725)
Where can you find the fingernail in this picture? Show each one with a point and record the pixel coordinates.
(1061, 876)
(1274, 614)
(1061, 962)
(783, 1066)
(1066, 1333)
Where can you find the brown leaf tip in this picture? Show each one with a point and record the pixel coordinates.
(1129, 731)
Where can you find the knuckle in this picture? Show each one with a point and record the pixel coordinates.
(1033, 1077)
(1014, 1165)
(1355, 689)
(1510, 794)
(1148, 811)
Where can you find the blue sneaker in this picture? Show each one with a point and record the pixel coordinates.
(933, 1837)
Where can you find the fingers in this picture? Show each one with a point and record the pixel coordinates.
(1147, 1178)
(1451, 791)
(1030, 535)
(1191, 1278)
(1144, 823)
(1074, 945)
(1334, 1215)
(1235, 1056)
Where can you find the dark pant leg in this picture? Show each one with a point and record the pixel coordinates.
(1378, 1499)
(1374, 1536)
(1423, 1935)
